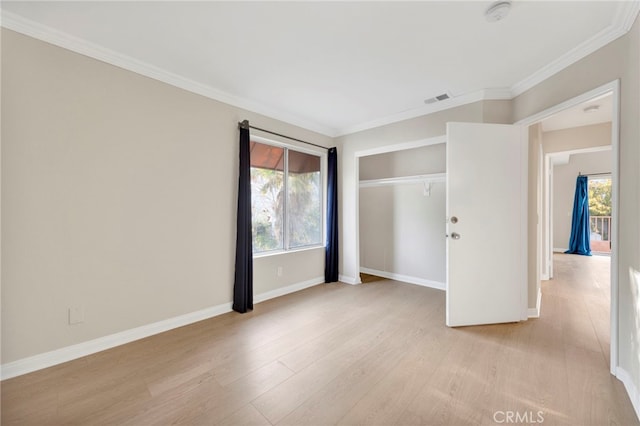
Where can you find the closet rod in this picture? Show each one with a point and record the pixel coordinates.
(430, 178)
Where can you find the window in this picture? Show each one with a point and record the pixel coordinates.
(600, 214)
(286, 198)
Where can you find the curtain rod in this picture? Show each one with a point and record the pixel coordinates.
(594, 174)
(245, 125)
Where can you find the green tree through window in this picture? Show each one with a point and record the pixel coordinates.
(600, 197)
(286, 203)
(600, 207)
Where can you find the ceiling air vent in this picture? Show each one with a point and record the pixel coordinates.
(438, 98)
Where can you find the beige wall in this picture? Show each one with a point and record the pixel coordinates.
(118, 195)
(402, 232)
(592, 136)
(408, 162)
(497, 112)
(617, 60)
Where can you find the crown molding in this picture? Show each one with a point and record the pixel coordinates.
(75, 44)
(480, 95)
(627, 14)
(50, 35)
(623, 21)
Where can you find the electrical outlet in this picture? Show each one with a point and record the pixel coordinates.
(279, 271)
(76, 315)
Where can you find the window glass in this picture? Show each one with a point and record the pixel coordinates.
(267, 197)
(305, 200)
(286, 198)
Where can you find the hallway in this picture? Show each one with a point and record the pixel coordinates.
(582, 285)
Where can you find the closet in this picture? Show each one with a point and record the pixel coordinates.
(402, 215)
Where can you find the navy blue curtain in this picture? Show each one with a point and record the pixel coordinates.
(243, 283)
(331, 250)
(580, 240)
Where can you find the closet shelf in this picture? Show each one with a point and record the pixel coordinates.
(430, 178)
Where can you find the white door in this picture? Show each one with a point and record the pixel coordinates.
(486, 224)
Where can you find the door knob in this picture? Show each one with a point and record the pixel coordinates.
(453, 219)
(455, 235)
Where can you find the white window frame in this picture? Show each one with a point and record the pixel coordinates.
(323, 195)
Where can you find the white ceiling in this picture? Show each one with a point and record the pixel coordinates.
(576, 116)
(332, 67)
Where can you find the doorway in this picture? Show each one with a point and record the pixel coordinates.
(596, 164)
(600, 213)
(603, 101)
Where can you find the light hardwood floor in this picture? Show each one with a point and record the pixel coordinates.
(377, 353)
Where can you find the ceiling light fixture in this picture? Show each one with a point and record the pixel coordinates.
(591, 109)
(497, 11)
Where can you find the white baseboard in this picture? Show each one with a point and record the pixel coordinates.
(631, 388)
(58, 356)
(405, 278)
(559, 250)
(286, 290)
(349, 280)
(535, 312)
(68, 353)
